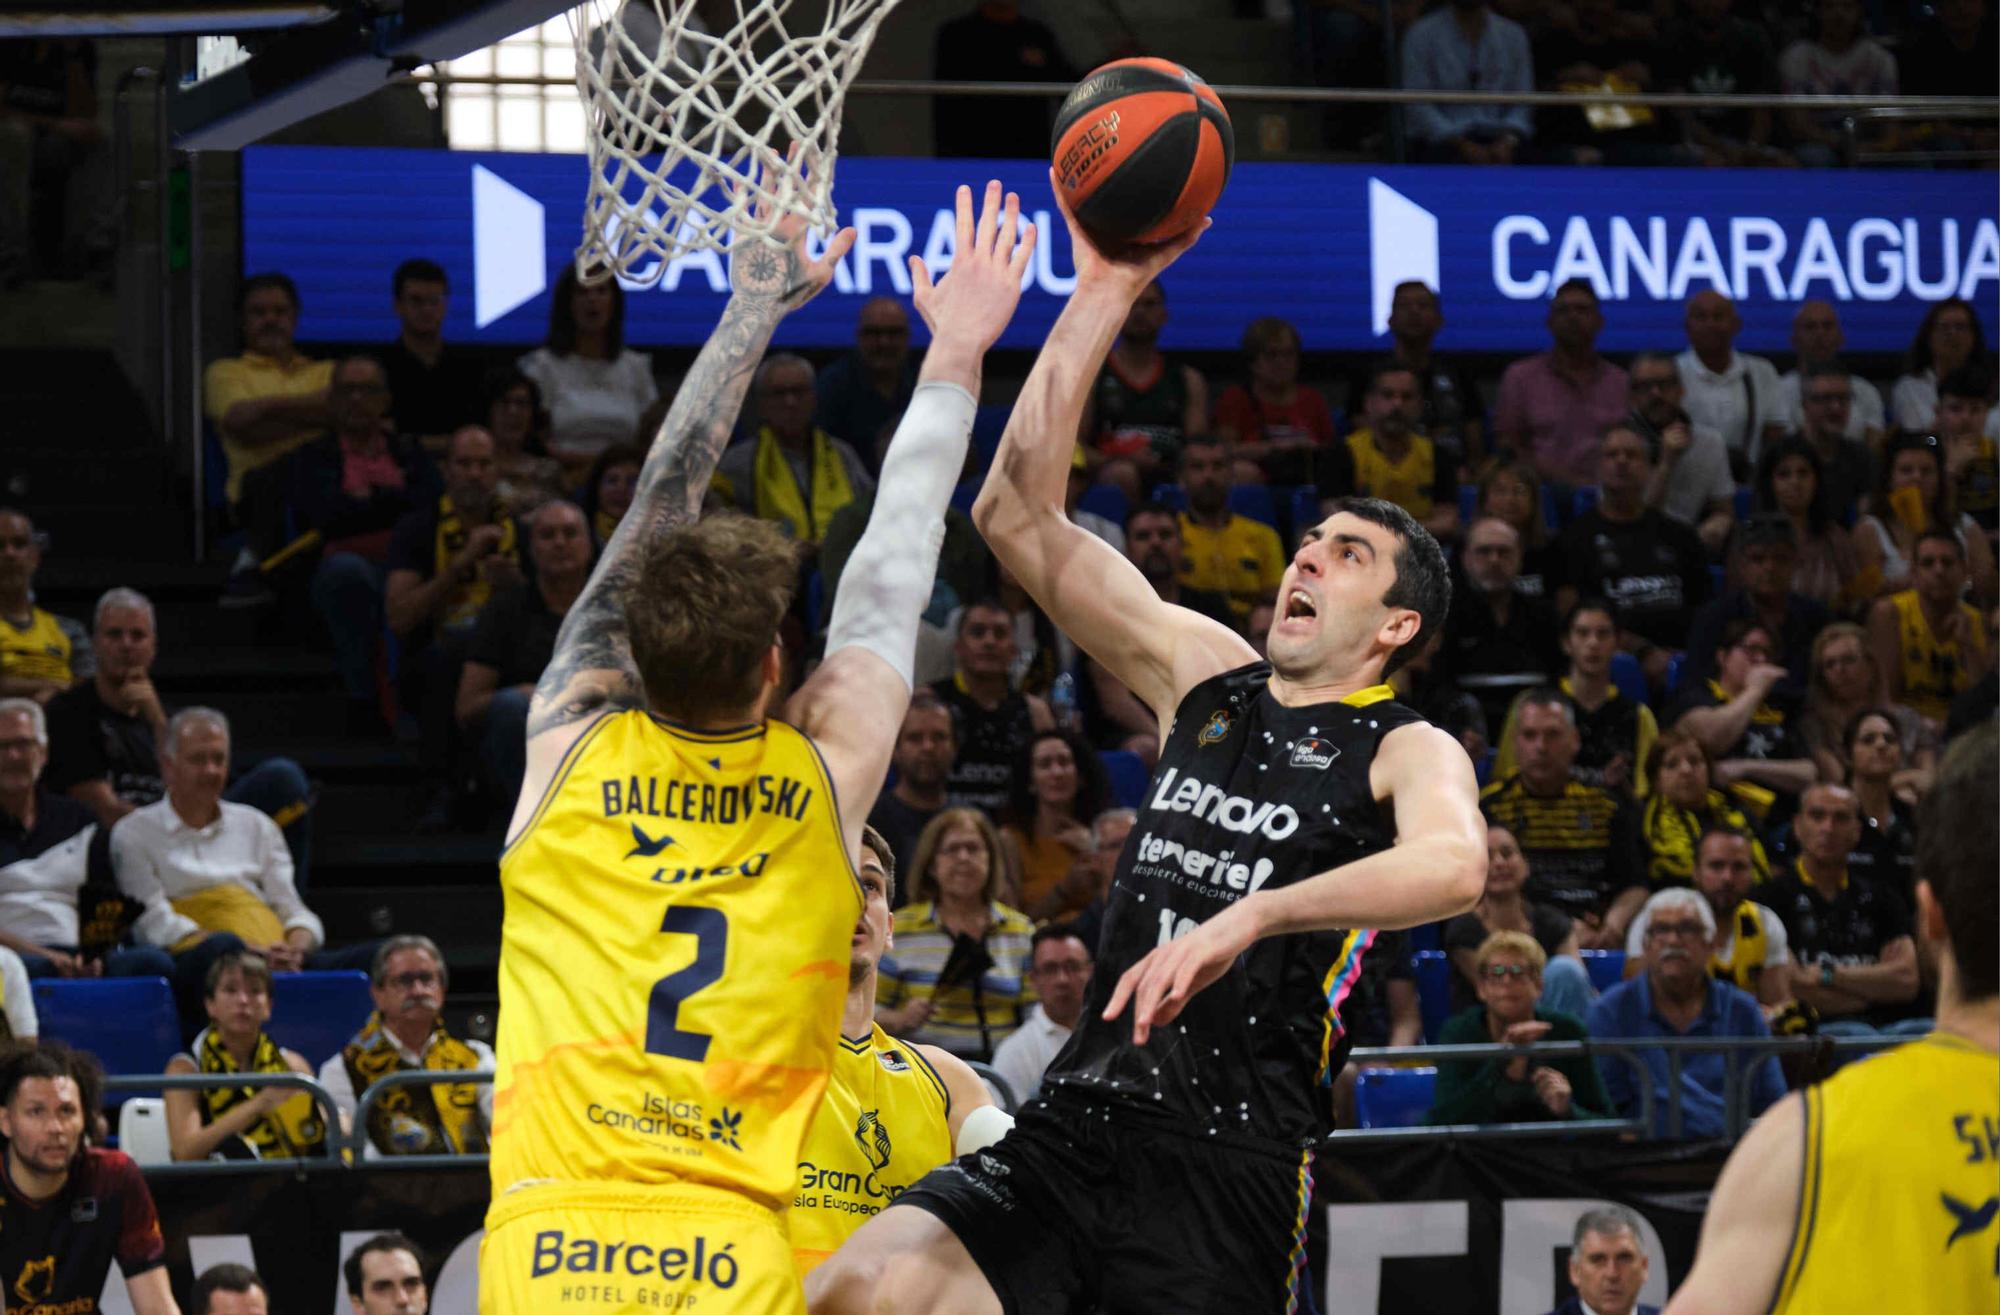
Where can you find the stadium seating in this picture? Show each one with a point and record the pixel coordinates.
(1394, 1097)
(316, 1013)
(1128, 776)
(1606, 967)
(1433, 991)
(142, 1130)
(1106, 501)
(1305, 508)
(1629, 677)
(1170, 495)
(1583, 502)
(1254, 501)
(129, 1023)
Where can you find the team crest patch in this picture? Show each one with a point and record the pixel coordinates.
(1216, 728)
(1314, 753)
(872, 1138)
(893, 1061)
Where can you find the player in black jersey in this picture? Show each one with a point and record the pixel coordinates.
(68, 1210)
(1167, 1165)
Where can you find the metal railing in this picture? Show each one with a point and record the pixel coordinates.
(348, 1148)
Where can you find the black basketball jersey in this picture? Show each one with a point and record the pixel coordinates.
(56, 1253)
(989, 742)
(1248, 794)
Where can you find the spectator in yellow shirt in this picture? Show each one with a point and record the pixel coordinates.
(1387, 458)
(1228, 554)
(41, 654)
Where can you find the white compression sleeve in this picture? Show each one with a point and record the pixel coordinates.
(983, 1127)
(886, 583)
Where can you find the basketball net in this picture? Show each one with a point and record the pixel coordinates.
(689, 127)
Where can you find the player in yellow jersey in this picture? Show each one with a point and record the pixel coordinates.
(1879, 1190)
(679, 884)
(893, 1111)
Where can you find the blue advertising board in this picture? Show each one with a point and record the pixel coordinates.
(1322, 245)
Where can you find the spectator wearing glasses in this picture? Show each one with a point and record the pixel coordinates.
(1745, 724)
(1465, 46)
(1507, 970)
(1751, 950)
(1817, 339)
(862, 395)
(1791, 483)
(1276, 423)
(1887, 850)
(1673, 995)
(1059, 965)
(406, 1034)
(1950, 336)
(791, 471)
(1846, 682)
(1691, 483)
(1566, 987)
(1554, 407)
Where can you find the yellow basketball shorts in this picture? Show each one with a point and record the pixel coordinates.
(563, 1249)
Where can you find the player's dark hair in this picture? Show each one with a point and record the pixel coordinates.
(391, 1241)
(1092, 786)
(877, 844)
(88, 1071)
(270, 279)
(1423, 576)
(1956, 841)
(1057, 931)
(30, 1059)
(254, 967)
(1592, 604)
(1971, 380)
(704, 611)
(225, 1277)
(562, 316)
(418, 270)
(1150, 509)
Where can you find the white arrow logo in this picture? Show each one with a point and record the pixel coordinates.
(509, 248)
(1402, 247)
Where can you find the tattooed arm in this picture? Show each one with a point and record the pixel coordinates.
(591, 671)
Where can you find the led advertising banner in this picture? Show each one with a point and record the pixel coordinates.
(1321, 245)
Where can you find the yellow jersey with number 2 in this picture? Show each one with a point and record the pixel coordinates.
(679, 912)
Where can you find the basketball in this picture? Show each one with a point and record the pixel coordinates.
(1142, 149)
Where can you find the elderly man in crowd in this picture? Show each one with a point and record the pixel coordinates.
(1059, 968)
(1607, 1265)
(199, 863)
(50, 849)
(790, 471)
(862, 395)
(1751, 949)
(104, 735)
(1674, 996)
(406, 1034)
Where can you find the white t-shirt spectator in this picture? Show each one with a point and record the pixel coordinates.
(1736, 403)
(1864, 415)
(591, 404)
(1700, 477)
(160, 858)
(1022, 1057)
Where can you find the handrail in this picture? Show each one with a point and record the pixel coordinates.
(1982, 105)
(364, 1105)
(336, 1141)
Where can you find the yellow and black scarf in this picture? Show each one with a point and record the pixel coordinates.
(442, 1120)
(294, 1130)
(778, 494)
(462, 604)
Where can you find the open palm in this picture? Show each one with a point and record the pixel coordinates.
(975, 298)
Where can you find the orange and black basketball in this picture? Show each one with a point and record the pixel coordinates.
(1142, 150)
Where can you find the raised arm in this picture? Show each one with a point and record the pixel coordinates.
(852, 704)
(592, 669)
(1436, 869)
(1091, 592)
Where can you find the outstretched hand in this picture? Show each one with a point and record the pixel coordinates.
(779, 271)
(973, 300)
(1160, 985)
(1129, 267)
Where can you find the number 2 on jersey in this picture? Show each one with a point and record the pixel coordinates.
(664, 1036)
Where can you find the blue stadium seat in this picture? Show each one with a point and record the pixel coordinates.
(1429, 936)
(1468, 502)
(316, 1013)
(1676, 670)
(1746, 502)
(1482, 771)
(815, 604)
(1606, 967)
(1128, 776)
(1170, 495)
(1305, 509)
(1629, 677)
(988, 423)
(1433, 991)
(1106, 501)
(129, 1023)
(1394, 1097)
(1582, 502)
(1552, 512)
(1255, 502)
(1718, 579)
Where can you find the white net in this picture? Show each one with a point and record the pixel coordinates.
(691, 118)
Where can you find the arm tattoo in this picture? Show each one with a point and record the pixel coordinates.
(592, 669)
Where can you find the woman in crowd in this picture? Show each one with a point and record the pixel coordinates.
(1791, 480)
(957, 974)
(1685, 803)
(1911, 495)
(593, 389)
(529, 476)
(1059, 786)
(1888, 846)
(1615, 734)
(1512, 491)
(1950, 336)
(607, 488)
(1520, 1089)
(241, 1123)
(1566, 986)
(1846, 681)
(1276, 423)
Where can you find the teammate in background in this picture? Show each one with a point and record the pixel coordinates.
(893, 1109)
(68, 1210)
(679, 872)
(1167, 1164)
(1876, 1189)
